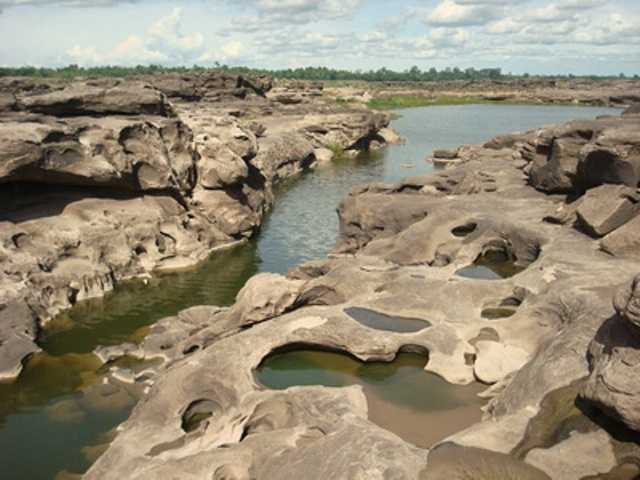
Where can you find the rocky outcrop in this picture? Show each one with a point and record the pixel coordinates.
(606, 208)
(618, 93)
(105, 180)
(406, 250)
(586, 154)
(614, 356)
(209, 86)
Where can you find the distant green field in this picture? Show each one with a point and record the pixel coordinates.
(394, 102)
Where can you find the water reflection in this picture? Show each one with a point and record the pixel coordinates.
(302, 226)
(416, 405)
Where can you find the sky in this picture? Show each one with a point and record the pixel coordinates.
(520, 36)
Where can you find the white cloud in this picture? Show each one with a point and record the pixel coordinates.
(164, 42)
(452, 13)
(166, 34)
(4, 4)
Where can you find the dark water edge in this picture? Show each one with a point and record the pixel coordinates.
(47, 417)
(416, 405)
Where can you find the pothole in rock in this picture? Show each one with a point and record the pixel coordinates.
(492, 265)
(563, 413)
(416, 405)
(197, 412)
(464, 230)
(389, 323)
(496, 313)
(504, 309)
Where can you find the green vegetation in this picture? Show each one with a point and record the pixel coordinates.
(413, 74)
(338, 151)
(395, 102)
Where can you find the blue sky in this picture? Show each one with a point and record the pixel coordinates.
(535, 36)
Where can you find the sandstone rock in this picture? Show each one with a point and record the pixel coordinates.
(390, 136)
(604, 164)
(446, 154)
(614, 357)
(220, 167)
(17, 330)
(323, 155)
(84, 99)
(452, 462)
(234, 218)
(606, 208)
(560, 462)
(7, 102)
(263, 297)
(495, 361)
(283, 155)
(559, 173)
(407, 242)
(627, 302)
(625, 241)
(107, 152)
(632, 110)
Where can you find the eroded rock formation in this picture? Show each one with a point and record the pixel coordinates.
(563, 395)
(104, 180)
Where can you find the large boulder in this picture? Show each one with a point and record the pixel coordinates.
(625, 241)
(582, 155)
(219, 166)
(614, 355)
(559, 173)
(264, 296)
(117, 152)
(605, 208)
(283, 155)
(131, 98)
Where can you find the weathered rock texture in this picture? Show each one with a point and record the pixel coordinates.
(104, 180)
(401, 248)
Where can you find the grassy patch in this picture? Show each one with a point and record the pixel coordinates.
(338, 151)
(395, 102)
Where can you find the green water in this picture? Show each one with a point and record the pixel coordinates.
(402, 397)
(52, 399)
(492, 265)
(49, 416)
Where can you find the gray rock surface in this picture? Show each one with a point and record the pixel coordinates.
(614, 358)
(606, 208)
(105, 180)
(401, 250)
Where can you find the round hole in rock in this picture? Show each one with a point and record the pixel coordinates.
(191, 349)
(402, 397)
(464, 230)
(492, 265)
(495, 313)
(381, 321)
(196, 413)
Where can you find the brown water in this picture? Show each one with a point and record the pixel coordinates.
(418, 406)
(492, 265)
(50, 418)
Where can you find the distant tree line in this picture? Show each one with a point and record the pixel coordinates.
(414, 74)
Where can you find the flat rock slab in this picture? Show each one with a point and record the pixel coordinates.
(596, 457)
(606, 208)
(496, 360)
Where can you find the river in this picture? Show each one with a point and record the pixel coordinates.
(49, 424)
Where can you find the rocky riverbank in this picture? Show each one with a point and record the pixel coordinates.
(525, 91)
(523, 259)
(104, 180)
